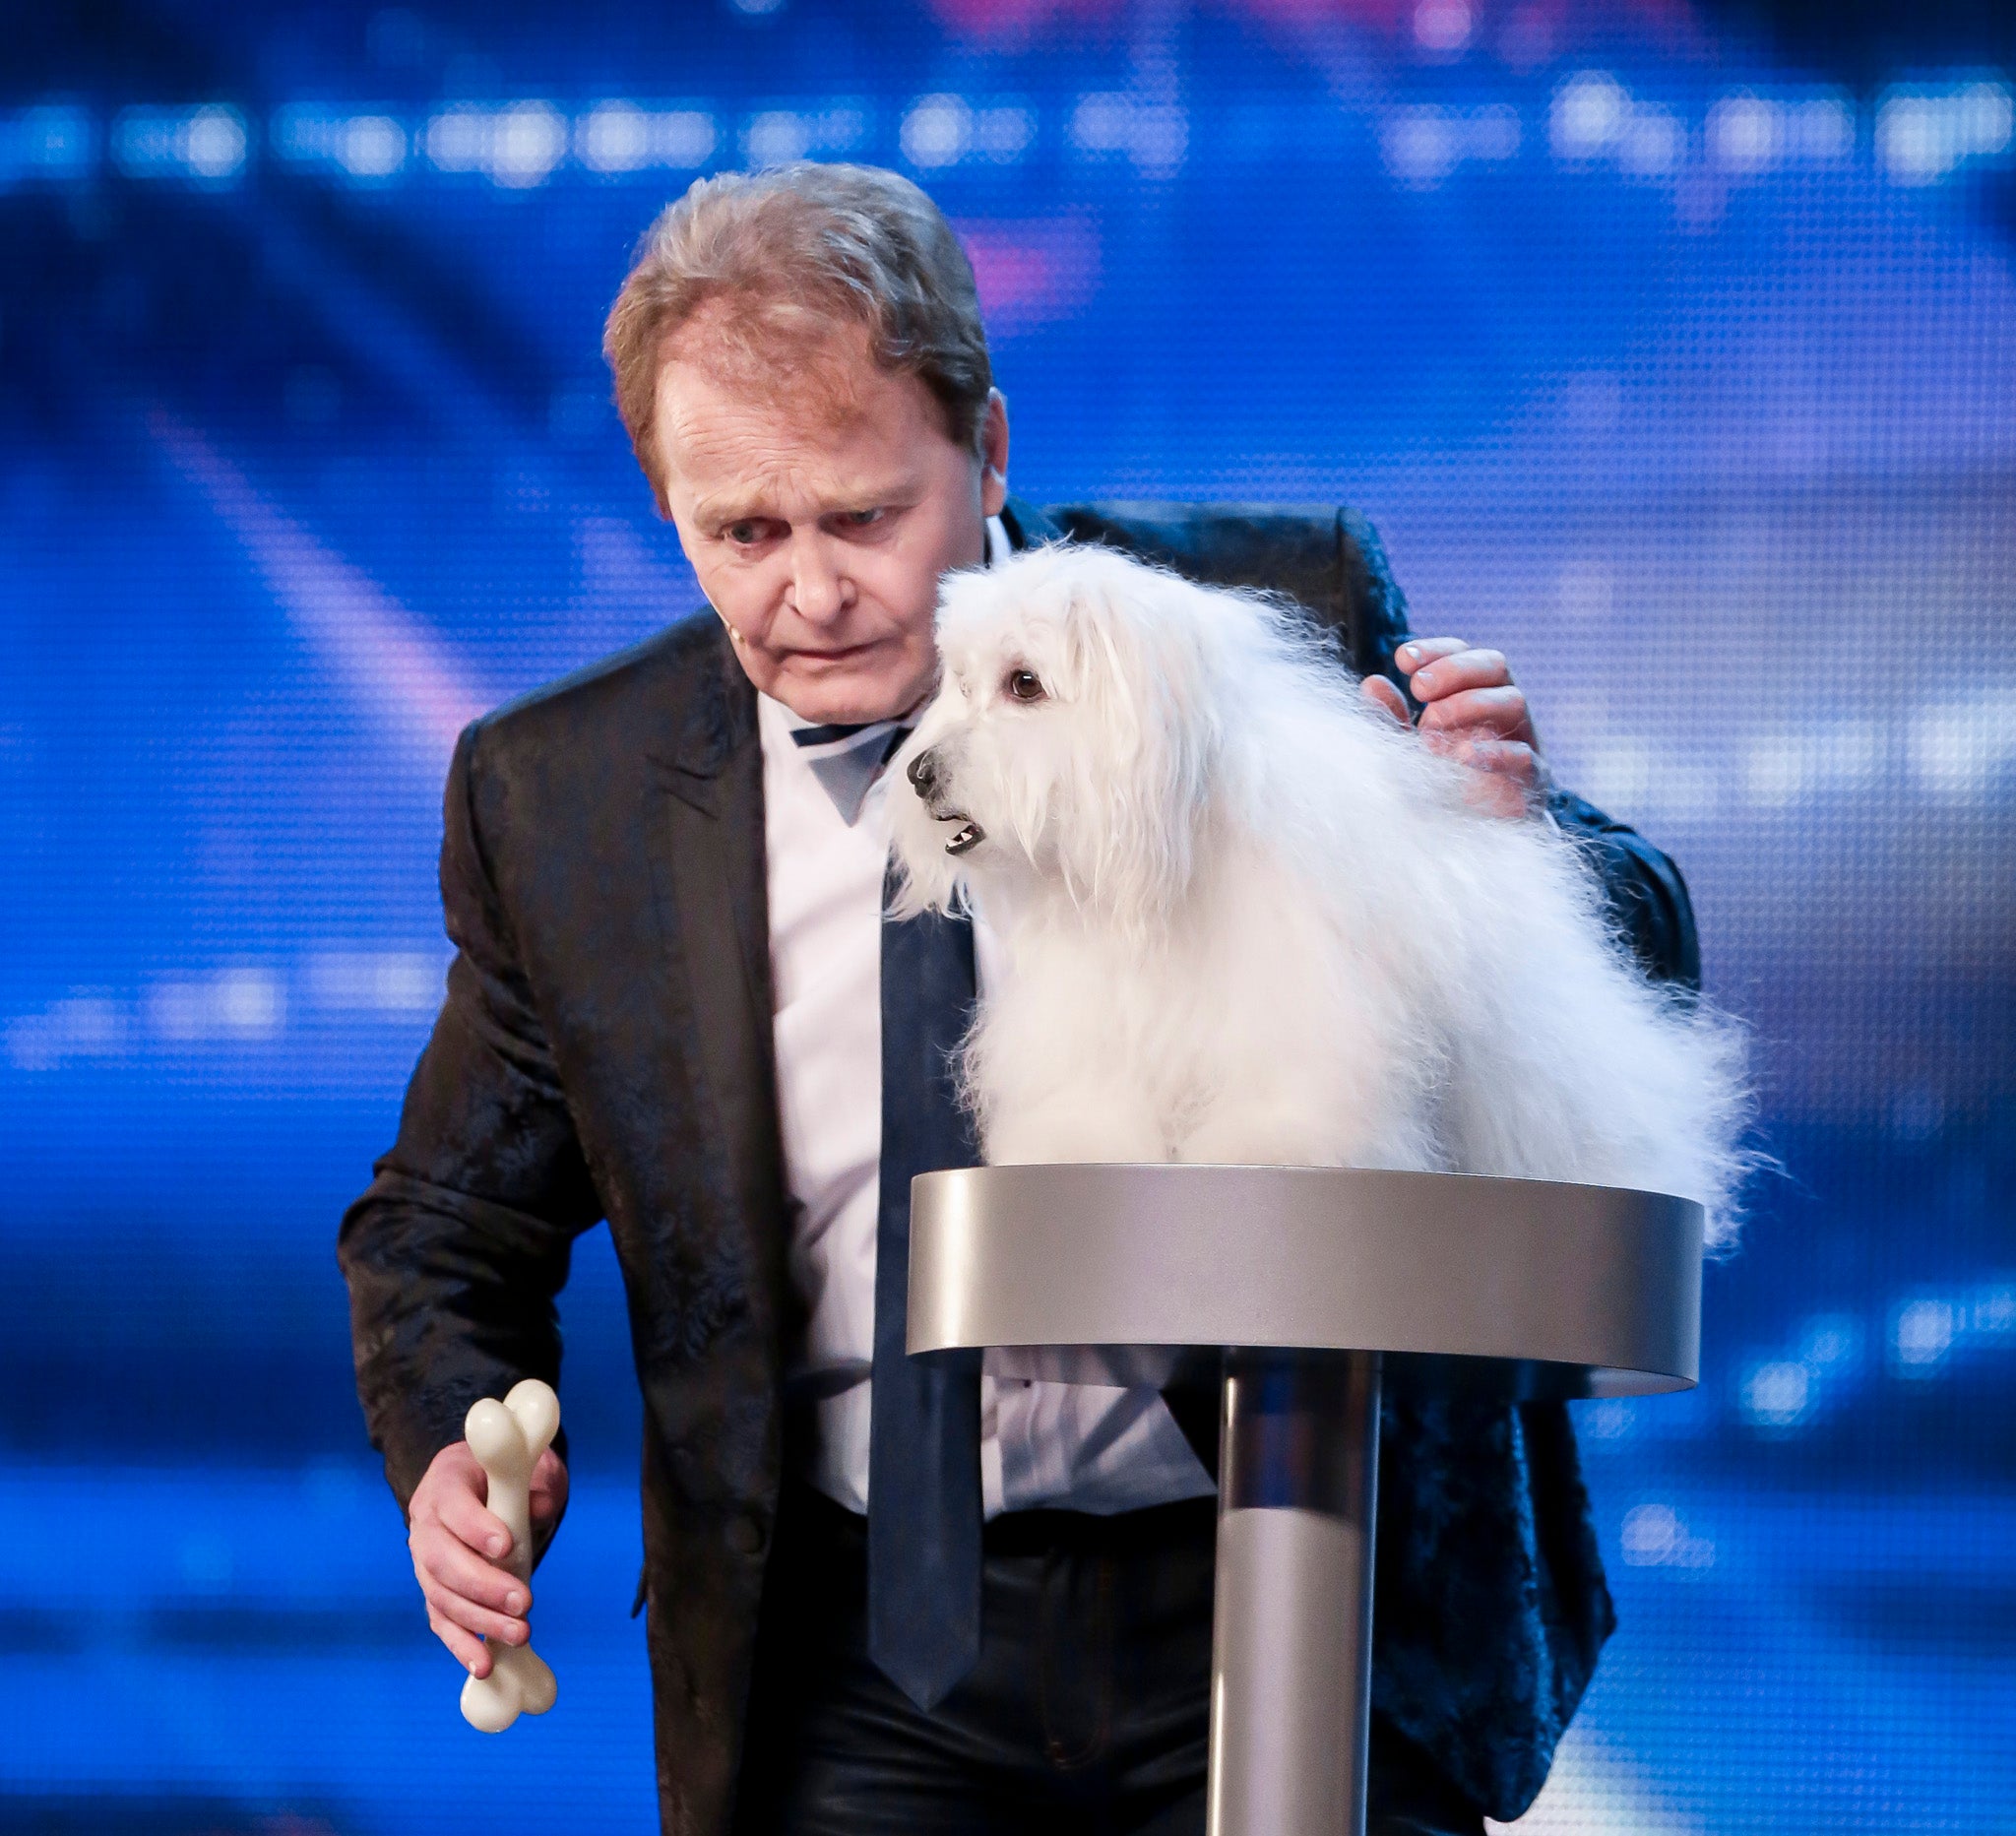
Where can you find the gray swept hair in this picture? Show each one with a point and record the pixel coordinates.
(799, 249)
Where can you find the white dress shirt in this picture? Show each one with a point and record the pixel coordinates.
(1074, 1446)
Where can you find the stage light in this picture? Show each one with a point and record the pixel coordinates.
(371, 147)
(612, 137)
(1442, 26)
(776, 136)
(941, 130)
(375, 981)
(230, 1003)
(618, 137)
(457, 140)
(367, 148)
(530, 140)
(51, 143)
(936, 131)
(1922, 1334)
(1924, 135)
(1747, 133)
(516, 147)
(86, 1024)
(1743, 134)
(1421, 146)
(1156, 136)
(1821, 128)
(207, 145)
(1654, 1536)
(1957, 752)
(1003, 134)
(1775, 1394)
(1588, 113)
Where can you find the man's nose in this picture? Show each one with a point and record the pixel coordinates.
(923, 771)
(820, 592)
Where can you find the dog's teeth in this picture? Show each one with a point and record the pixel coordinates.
(968, 835)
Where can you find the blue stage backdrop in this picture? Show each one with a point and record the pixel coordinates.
(1683, 373)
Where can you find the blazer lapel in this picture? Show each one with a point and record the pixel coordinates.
(709, 877)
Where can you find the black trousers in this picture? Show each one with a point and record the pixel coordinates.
(1087, 1714)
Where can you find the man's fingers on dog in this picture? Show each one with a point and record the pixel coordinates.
(1501, 758)
(1418, 653)
(1384, 696)
(1500, 711)
(1501, 776)
(1458, 670)
(1508, 759)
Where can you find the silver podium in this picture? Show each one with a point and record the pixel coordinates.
(1302, 1291)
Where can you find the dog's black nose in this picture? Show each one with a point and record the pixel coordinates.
(924, 772)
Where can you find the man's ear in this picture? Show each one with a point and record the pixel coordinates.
(994, 454)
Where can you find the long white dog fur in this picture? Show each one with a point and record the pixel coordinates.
(1248, 917)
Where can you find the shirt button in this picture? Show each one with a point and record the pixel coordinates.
(746, 1536)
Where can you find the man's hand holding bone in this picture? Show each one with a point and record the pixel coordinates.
(462, 1551)
(1473, 713)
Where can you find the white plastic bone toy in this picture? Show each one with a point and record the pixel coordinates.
(507, 1439)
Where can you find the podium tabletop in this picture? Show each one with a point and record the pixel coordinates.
(1110, 1273)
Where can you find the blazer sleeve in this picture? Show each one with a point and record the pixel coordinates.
(1647, 897)
(456, 1250)
(1643, 889)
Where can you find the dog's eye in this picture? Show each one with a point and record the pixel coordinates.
(1023, 685)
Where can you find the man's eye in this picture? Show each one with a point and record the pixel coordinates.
(743, 533)
(862, 519)
(1023, 685)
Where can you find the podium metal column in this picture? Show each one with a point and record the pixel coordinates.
(1305, 1288)
(1291, 1628)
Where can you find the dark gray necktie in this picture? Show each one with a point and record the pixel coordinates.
(924, 1449)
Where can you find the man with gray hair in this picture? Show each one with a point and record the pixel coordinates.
(881, 1597)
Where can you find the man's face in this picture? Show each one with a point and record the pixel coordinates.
(819, 499)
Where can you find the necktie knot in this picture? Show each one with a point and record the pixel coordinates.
(848, 759)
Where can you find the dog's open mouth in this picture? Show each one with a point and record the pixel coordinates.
(967, 837)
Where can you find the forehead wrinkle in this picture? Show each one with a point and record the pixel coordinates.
(760, 469)
(768, 490)
(791, 488)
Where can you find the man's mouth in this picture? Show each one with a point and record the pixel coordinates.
(967, 837)
(839, 654)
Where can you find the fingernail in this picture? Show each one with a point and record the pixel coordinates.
(1405, 652)
(496, 1545)
(514, 1603)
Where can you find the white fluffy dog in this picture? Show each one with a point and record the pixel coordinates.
(1248, 917)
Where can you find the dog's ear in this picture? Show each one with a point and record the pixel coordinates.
(1150, 739)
